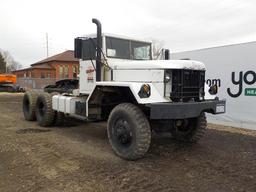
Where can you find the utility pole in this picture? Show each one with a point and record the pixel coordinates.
(47, 47)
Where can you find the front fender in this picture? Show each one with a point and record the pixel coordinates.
(134, 87)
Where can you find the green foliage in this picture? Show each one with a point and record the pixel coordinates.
(2, 64)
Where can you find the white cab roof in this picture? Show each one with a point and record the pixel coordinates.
(94, 35)
(157, 64)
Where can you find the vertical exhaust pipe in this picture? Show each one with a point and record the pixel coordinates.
(98, 49)
(167, 54)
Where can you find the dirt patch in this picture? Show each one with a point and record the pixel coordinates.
(77, 157)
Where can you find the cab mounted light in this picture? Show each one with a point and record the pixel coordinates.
(145, 91)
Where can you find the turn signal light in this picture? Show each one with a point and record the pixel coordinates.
(213, 90)
(144, 91)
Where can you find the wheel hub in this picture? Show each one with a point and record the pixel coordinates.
(123, 132)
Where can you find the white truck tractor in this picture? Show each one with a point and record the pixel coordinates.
(120, 83)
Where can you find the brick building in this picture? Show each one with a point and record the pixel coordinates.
(59, 66)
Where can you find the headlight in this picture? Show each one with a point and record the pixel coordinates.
(145, 91)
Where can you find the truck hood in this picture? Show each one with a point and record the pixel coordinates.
(156, 64)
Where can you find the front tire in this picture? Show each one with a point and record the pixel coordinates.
(129, 131)
(190, 130)
(44, 112)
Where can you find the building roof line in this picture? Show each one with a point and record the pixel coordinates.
(31, 68)
(67, 56)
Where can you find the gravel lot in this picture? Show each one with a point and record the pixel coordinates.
(77, 157)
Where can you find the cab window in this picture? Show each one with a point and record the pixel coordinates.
(127, 49)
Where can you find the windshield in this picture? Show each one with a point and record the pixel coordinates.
(127, 49)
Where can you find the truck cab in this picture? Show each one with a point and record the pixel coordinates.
(116, 51)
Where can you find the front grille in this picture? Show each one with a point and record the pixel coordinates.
(187, 84)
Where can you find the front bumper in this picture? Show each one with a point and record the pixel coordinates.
(186, 110)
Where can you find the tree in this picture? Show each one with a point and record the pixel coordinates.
(12, 65)
(2, 64)
(157, 48)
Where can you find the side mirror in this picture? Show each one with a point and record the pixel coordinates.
(78, 48)
(89, 49)
(85, 49)
(213, 90)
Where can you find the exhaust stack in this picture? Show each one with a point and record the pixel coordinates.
(98, 49)
(167, 54)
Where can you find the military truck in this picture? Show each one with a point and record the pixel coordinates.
(120, 83)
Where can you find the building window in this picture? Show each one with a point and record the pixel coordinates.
(42, 75)
(60, 72)
(48, 75)
(74, 71)
(66, 71)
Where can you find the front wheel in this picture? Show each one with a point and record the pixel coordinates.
(189, 130)
(129, 131)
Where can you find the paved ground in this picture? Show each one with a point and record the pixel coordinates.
(77, 157)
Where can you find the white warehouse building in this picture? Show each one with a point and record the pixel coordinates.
(233, 69)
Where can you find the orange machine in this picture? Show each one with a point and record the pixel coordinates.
(8, 83)
(8, 78)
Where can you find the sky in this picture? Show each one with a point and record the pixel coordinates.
(180, 24)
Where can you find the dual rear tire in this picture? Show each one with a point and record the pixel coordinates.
(29, 105)
(44, 113)
(38, 106)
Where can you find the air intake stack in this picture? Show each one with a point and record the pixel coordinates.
(98, 49)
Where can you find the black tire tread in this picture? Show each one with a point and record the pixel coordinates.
(198, 132)
(144, 136)
(32, 97)
(49, 114)
(201, 129)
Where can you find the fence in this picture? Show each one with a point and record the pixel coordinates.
(35, 83)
